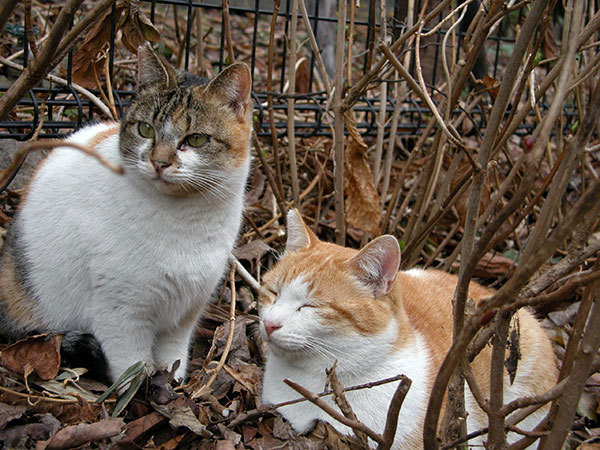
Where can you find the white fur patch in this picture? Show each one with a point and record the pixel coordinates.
(113, 256)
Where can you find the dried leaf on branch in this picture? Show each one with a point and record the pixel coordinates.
(363, 209)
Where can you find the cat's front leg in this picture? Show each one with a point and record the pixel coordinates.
(125, 342)
(172, 345)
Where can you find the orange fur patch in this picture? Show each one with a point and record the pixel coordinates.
(421, 301)
(19, 307)
(104, 134)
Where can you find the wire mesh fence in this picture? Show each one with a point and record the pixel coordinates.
(192, 35)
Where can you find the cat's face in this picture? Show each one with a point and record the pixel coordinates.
(320, 302)
(185, 135)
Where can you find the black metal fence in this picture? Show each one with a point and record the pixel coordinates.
(192, 36)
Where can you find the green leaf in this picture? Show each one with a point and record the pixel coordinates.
(128, 395)
(134, 371)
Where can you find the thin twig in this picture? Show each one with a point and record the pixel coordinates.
(227, 28)
(246, 276)
(291, 126)
(338, 141)
(48, 144)
(215, 372)
(249, 415)
(354, 424)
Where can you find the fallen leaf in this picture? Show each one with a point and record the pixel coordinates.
(325, 433)
(22, 436)
(10, 412)
(181, 415)
(247, 377)
(68, 391)
(140, 427)
(256, 186)
(282, 429)
(82, 433)
(592, 446)
(39, 354)
(252, 252)
(17, 437)
(265, 442)
(587, 405)
(239, 351)
(171, 444)
(224, 445)
(249, 432)
(229, 435)
(362, 200)
(492, 265)
(160, 390)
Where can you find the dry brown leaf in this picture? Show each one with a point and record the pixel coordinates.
(549, 47)
(251, 252)
(362, 199)
(39, 354)
(303, 77)
(491, 84)
(84, 59)
(593, 446)
(76, 435)
(265, 442)
(492, 265)
(224, 445)
(22, 435)
(10, 412)
(248, 374)
(180, 414)
(249, 432)
(140, 427)
(137, 28)
(333, 440)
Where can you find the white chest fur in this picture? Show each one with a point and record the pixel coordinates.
(129, 264)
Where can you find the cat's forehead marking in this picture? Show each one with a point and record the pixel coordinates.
(296, 290)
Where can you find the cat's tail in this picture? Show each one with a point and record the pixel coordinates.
(84, 350)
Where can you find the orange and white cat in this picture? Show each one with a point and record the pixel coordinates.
(323, 303)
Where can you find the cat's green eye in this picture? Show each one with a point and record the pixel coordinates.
(196, 140)
(146, 130)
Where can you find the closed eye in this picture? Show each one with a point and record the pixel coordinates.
(269, 292)
(307, 305)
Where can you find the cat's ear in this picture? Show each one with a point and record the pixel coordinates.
(377, 264)
(299, 236)
(152, 70)
(233, 85)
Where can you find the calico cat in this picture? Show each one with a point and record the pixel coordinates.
(131, 261)
(322, 303)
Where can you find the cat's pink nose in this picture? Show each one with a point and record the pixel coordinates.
(270, 327)
(159, 166)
